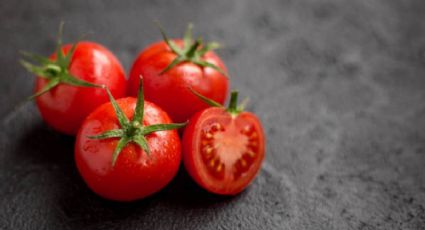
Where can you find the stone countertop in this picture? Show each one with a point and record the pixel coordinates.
(339, 86)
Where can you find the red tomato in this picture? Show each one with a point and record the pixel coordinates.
(135, 174)
(65, 106)
(169, 89)
(223, 151)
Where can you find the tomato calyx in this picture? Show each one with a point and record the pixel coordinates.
(134, 130)
(234, 109)
(192, 51)
(55, 72)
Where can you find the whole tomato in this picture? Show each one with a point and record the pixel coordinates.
(169, 67)
(223, 148)
(127, 150)
(67, 86)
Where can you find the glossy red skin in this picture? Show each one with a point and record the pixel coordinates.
(192, 159)
(170, 90)
(65, 106)
(135, 174)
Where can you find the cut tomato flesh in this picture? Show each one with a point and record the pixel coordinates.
(228, 147)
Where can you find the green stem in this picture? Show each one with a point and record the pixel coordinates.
(233, 106)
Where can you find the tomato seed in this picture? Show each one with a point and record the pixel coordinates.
(250, 153)
(246, 129)
(208, 150)
(208, 135)
(205, 142)
(212, 162)
(243, 163)
(219, 167)
(216, 127)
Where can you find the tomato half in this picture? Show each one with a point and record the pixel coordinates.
(135, 173)
(222, 151)
(169, 89)
(65, 106)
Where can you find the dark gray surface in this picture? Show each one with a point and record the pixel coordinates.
(339, 86)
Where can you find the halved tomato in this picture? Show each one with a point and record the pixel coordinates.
(223, 149)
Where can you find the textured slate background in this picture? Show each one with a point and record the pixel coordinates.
(339, 85)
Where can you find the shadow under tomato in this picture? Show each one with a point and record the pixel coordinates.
(185, 193)
(43, 146)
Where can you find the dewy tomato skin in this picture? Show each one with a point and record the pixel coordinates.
(135, 174)
(65, 106)
(170, 90)
(218, 169)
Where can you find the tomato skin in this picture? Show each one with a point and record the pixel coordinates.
(65, 107)
(135, 175)
(191, 154)
(170, 90)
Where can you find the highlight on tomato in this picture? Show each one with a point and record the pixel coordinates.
(223, 148)
(170, 66)
(68, 83)
(128, 149)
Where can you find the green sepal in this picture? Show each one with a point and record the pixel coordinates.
(173, 46)
(242, 105)
(208, 47)
(109, 134)
(162, 127)
(59, 53)
(211, 65)
(140, 104)
(141, 141)
(70, 80)
(207, 100)
(122, 119)
(187, 38)
(68, 57)
(37, 58)
(191, 52)
(37, 70)
(120, 145)
(233, 108)
(175, 62)
(50, 85)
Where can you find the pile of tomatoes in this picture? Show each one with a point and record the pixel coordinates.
(127, 147)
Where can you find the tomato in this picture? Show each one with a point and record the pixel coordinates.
(64, 103)
(223, 148)
(122, 160)
(169, 68)
(65, 106)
